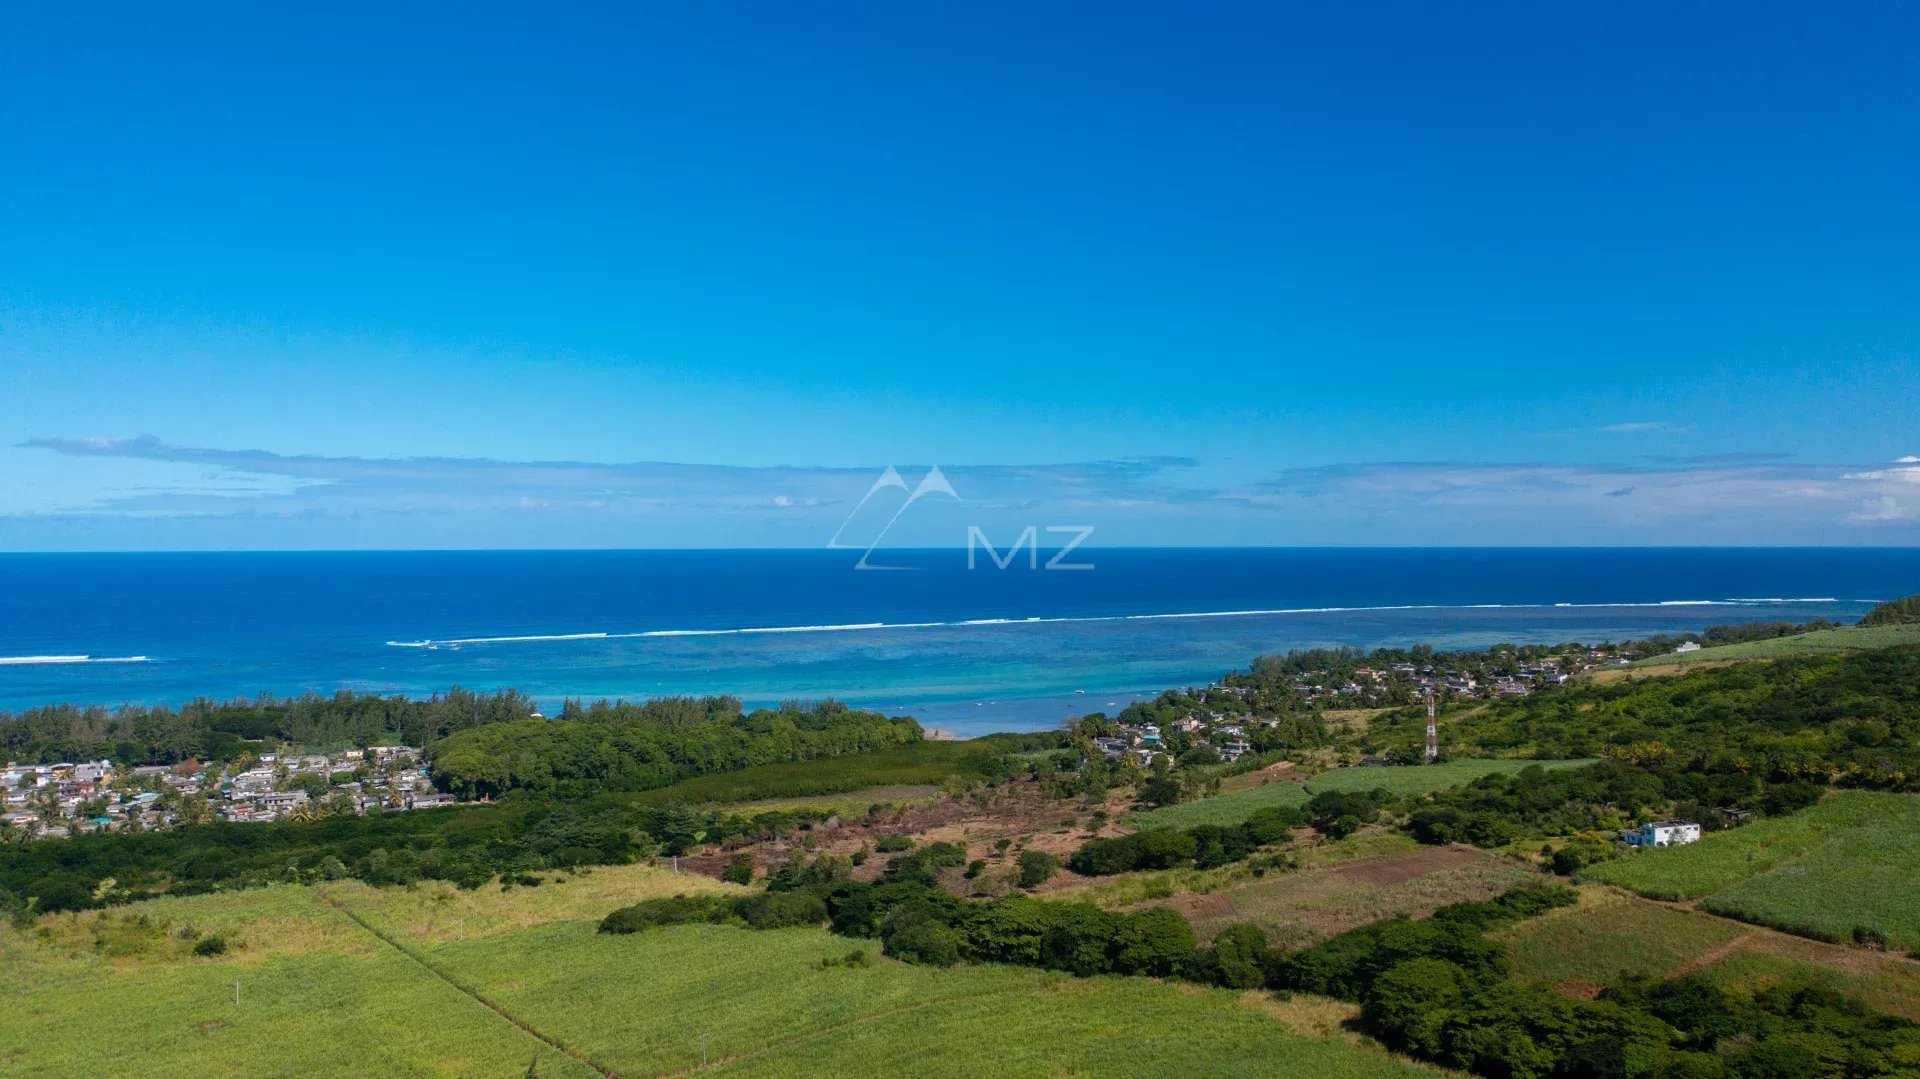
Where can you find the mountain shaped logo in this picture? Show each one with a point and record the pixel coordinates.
(931, 484)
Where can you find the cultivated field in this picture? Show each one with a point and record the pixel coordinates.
(1849, 863)
(1819, 642)
(1230, 808)
(346, 980)
(1612, 936)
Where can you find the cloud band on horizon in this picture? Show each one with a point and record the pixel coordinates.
(1754, 498)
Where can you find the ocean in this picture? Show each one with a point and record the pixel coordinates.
(968, 650)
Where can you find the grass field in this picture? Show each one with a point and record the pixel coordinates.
(1237, 806)
(1850, 862)
(346, 980)
(1819, 642)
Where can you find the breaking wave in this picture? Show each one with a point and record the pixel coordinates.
(35, 661)
(855, 627)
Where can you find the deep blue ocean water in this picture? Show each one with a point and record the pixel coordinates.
(968, 650)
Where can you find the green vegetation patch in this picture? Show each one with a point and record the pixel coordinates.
(1426, 778)
(775, 1002)
(1611, 937)
(319, 1014)
(920, 764)
(1848, 864)
(1818, 643)
(1891, 987)
(645, 1004)
(1104, 1027)
(1236, 807)
(1223, 809)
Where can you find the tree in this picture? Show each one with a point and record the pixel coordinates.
(1162, 790)
(1238, 958)
(1156, 941)
(1411, 1003)
(1036, 867)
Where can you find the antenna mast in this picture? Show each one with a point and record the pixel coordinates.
(1433, 731)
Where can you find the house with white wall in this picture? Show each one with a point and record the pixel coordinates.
(1662, 833)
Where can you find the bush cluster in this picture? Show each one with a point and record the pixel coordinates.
(1333, 813)
(761, 910)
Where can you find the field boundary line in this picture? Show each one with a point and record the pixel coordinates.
(479, 997)
(835, 1028)
(1762, 933)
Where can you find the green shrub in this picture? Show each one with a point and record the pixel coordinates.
(1036, 867)
(740, 870)
(674, 910)
(210, 945)
(893, 844)
(780, 910)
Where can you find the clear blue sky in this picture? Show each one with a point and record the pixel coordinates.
(378, 276)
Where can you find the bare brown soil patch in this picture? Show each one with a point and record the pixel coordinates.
(992, 824)
(1300, 908)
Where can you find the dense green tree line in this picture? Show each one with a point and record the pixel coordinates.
(632, 747)
(211, 730)
(467, 845)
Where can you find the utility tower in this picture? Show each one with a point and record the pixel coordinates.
(1433, 731)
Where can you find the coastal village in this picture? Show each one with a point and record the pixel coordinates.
(64, 799)
(1226, 719)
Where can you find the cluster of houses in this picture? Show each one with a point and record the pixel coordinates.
(1144, 742)
(366, 781)
(57, 800)
(1393, 683)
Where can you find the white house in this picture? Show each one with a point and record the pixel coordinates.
(1689, 646)
(1662, 833)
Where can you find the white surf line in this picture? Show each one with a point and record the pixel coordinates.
(34, 661)
(855, 627)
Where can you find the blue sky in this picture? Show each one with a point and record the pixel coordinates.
(694, 275)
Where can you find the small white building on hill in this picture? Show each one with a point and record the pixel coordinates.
(1662, 833)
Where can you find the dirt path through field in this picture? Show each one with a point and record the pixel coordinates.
(1714, 954)
(426, 964)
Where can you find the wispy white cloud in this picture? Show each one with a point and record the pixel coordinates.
(1753, 498)
(1640, 427)
(1743, 497)
(255, 481)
